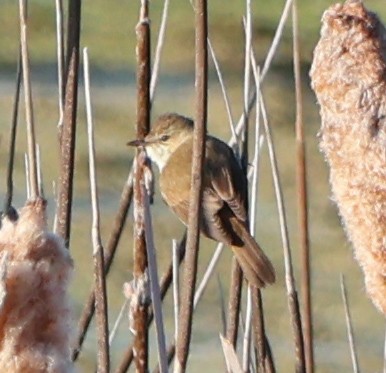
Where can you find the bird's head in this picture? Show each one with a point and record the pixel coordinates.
(167, 134)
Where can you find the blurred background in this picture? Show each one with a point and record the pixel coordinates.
(108, 30)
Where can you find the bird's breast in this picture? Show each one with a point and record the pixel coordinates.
(175, 181)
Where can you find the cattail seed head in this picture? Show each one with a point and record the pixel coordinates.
(349, 78)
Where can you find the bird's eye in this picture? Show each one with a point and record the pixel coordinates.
(165, 138)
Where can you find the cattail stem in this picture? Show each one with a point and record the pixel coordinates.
(68, 130)
(193, 236)
(103, 362)
(140, 310)
(302, 198)
(32, 162)
(12, 141)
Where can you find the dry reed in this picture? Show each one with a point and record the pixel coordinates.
(35, 324)
(349, 78)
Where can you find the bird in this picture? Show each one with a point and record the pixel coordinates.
(169, 144)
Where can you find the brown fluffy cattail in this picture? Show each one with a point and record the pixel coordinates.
(35, 326)
(349, 78)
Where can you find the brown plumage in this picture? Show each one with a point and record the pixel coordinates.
(224, 218)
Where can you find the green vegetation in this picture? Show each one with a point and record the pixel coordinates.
(108, 30)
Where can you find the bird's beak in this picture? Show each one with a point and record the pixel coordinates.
(136, 143)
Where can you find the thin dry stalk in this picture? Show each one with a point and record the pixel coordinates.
(176, 286)
(248, 317)
(240, 124)
(276, 40)
(259, 331)
(247, 61)
(234, 303)
(350, 331)
(26, 171)
(207, 275)
(158, 50)
(39, 171)
(200, 290)
(269, 362)
(12, 142)
(117, 322)
(166, 282)
(224, 92)
(103, 355)
(33, 174)
(267, 64)
(293, 302)
(258, 319)
(111, 248)
(154, 285)
(60, 56)
(247, 84)
(231, 359)
(3, 278)
(247, 332)
(171, 354)
(193, 236)
(235, 135)
(139, 309)
(302, 199)
(256, 157)
(222, 305)
(68, 129)
(236, 273)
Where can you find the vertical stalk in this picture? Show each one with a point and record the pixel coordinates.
(200, 290)
(154, 285)
(234, 303)
(31, 140)
(236, 285)
(111, 248)
(165, 283)
(259, 331)
(68, 129)
(247, 81)
(12, 142)
(60, 56)
(292, 294)
(103, 360)
(193, 238)
(301, 181)
(350, 331)
(158, 50)
(140, 310)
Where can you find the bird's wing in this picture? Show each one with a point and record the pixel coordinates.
(227, 178)
(223, 185)
(213, 223)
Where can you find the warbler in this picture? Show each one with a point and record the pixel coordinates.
(224, 218)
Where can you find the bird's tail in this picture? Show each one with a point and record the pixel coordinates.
(257, 268)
